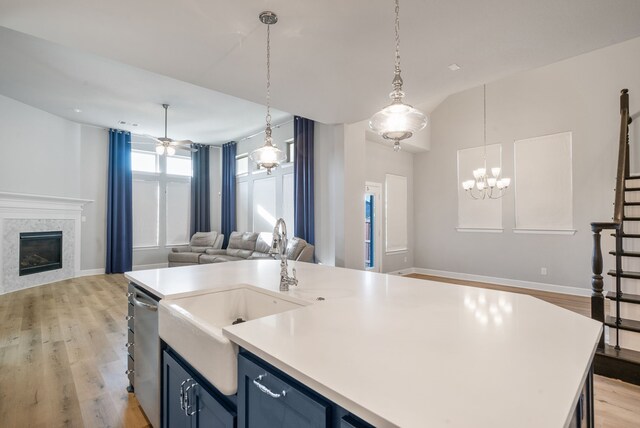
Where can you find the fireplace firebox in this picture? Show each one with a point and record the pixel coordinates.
(40, 251)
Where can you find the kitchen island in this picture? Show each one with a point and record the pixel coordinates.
(402, 352)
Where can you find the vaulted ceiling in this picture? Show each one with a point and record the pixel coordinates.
(332, 60)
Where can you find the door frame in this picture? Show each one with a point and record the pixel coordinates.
(375, 189)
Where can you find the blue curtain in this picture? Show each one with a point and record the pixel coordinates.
(200, 190)
(303, 179)
(228, 190)
(119, 218)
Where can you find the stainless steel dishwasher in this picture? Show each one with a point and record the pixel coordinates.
(147, 355)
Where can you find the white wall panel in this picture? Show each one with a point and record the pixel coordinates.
(544, 197)
(396, 213)
(242, 206)
(287, 202)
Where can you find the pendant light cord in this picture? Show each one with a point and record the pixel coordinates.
(484, 109)
(397, 28)
(268, 75)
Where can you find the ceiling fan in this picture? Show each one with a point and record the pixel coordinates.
(166, 145)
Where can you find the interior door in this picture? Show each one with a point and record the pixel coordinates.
(372, 227)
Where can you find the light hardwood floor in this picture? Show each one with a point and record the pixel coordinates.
(63, 358)
(62, 361)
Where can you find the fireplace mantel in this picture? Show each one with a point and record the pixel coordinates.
(9, 200)
(20, 212)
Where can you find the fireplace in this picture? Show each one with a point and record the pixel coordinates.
(40, 251)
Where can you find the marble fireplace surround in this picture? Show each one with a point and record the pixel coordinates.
(21, 212)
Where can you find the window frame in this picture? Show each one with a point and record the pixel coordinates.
(163, 178)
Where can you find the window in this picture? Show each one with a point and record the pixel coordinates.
(179, 165)
(161, 199)
(242, 164)
(144, 161)
(291, 151)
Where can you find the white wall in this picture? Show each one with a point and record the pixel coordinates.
(581, 95)
(44, 154)
(215, 176)
(40, 151)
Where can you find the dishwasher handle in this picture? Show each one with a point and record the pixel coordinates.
(139, 303)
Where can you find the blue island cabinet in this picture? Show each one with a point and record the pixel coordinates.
(268, 398)
(190, 402)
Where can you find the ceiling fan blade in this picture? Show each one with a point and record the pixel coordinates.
(182, 142)
(156, 139)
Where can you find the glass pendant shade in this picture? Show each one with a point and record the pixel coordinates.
(397, 121)
(268, 156)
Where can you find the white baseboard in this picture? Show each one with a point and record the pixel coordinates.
(151, 266)
(90, 272)
(530, 285)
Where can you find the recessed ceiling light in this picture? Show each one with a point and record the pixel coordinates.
(77, 110)
(454, 67)
(134, 124)
(122, 122)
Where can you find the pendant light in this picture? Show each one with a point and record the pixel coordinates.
(397, 121)
(483, 185)
(268, 156)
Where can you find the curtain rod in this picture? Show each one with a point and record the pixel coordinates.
(262, 132)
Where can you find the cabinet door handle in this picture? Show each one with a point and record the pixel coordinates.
(128, 372)
(183, 400)
(129, 317)
(187, 410)
(266, 390)
(128, 345)
(144, 305)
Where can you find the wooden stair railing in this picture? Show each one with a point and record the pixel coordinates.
(612, 360)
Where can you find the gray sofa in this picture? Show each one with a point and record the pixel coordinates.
(251, 246)
(200, 242)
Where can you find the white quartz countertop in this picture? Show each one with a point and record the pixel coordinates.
(409, 353)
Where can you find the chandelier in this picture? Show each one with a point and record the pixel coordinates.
(268, 156)
(397, 121)
(483, 185)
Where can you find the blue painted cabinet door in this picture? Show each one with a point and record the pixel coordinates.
(209, 412)
(267, 400)
(173, 375)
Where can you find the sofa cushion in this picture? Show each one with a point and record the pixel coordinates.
(184, 257)
(203, 239)
(295, 247)
(242, 244)
(208, 258)
(263, 244)
(259, 255)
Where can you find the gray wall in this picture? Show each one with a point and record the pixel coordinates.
(579, 95)
(380, 161)
(94, 149)
(329, 174)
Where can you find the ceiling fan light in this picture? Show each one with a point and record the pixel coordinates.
(171, 151)
(160, 150)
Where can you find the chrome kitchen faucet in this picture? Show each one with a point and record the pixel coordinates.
(279, 246)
